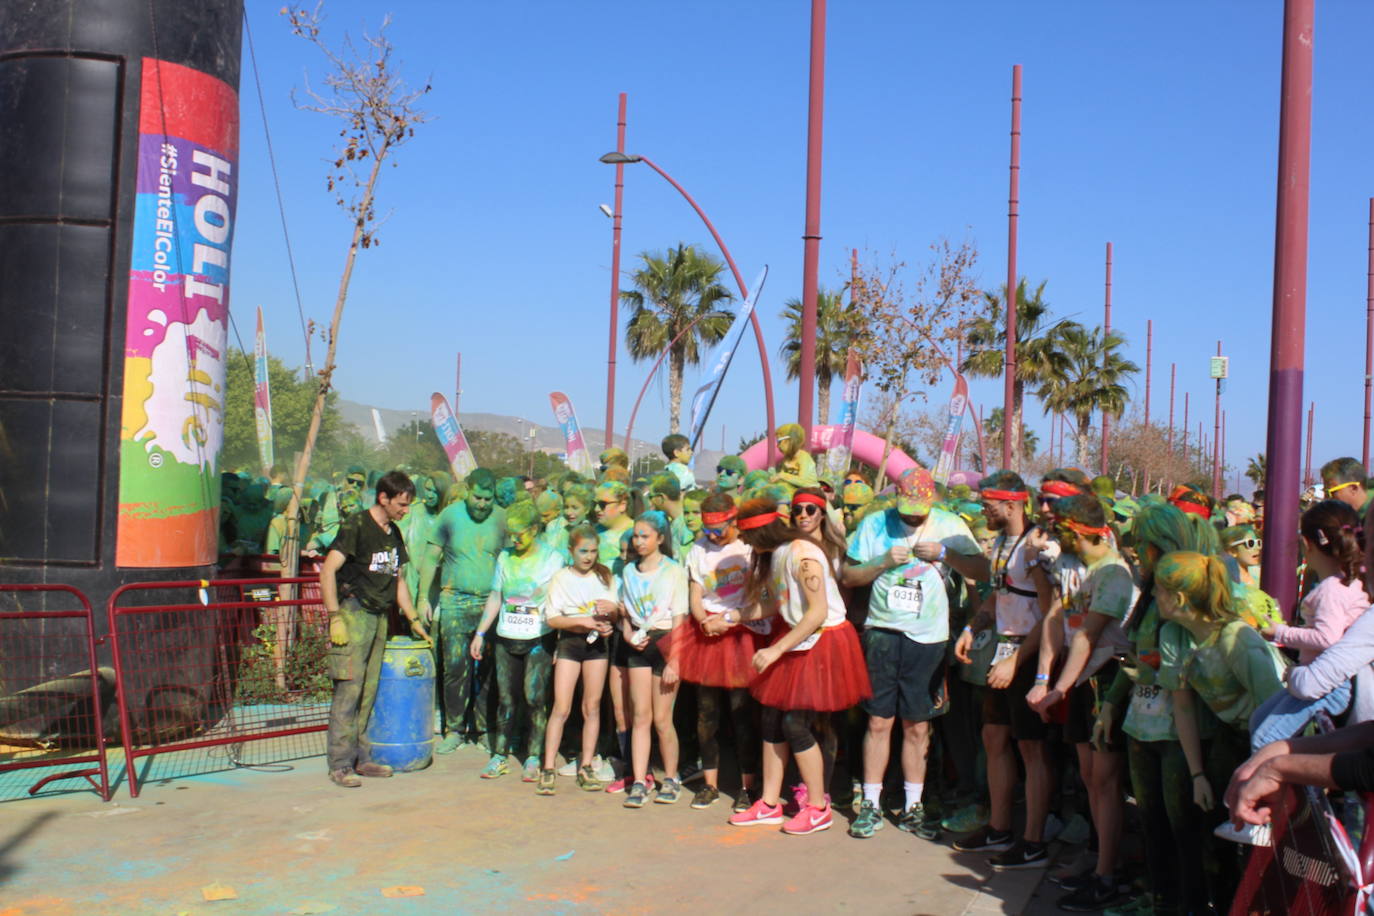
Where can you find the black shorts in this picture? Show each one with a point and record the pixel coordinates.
(523, 647)
(1009, 708)
(908, 677)
(651, 656)
(1084, 702)
(575, 648)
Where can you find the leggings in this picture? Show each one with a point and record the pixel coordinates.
(522, 676)
(801, 730)
(743, 711)
(1172, 823)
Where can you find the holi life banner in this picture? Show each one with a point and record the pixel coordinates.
(172, 425)
(719, 361)
(579, 458)
(451, 437)
(958, 406)
(262, 399)
(838, 456)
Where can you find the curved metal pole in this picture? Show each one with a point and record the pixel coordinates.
(744, 294)
(629, 427)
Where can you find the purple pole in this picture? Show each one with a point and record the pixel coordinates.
(1368, 334)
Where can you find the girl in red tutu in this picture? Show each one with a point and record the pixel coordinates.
(717, 648)
(814, 663)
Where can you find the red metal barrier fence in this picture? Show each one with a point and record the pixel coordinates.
(204, 664)
(56, 705)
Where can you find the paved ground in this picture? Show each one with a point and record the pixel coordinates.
(287, 841)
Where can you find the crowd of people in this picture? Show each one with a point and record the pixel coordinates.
(923, 656)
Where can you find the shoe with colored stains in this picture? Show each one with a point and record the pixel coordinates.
(587, 779)
(568, 769)
(744, 801)
(530, 771)
(706, 797)
(449, 744)
(668, 792)
(495, 768)
(638, 794)
(548, 783)
(867, 822)
(374, 770)
(809, 819)
(345, 778)
(920, 822)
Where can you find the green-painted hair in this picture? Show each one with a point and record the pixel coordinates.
(521, 515)
(1202, 579)
(793, 433)
(733, 463)
(548, 501)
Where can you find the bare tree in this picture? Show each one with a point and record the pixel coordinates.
(379, 113)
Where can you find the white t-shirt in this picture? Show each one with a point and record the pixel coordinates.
(722, 573)
(786, 583)
(911, 599)
(575, 595)
(1106, 588)
(652, 601)
(1017, 614)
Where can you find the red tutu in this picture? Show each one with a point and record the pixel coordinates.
(828, 677)
(726, 660)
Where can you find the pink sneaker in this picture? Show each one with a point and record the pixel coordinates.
(800, 799)
(760, 812)
(620, 785)
(809, 819)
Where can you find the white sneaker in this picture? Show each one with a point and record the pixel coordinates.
(1250, 834)
(569, 768)
(604, 771)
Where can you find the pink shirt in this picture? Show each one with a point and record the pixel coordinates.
(1328, 611)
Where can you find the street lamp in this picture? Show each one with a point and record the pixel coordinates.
(619, 158)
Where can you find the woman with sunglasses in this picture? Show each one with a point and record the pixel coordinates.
(612, 500)
(811, 516)
(1243, 544)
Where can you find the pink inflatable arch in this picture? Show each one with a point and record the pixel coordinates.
(868, 448)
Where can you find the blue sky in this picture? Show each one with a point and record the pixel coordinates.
(1150, 125)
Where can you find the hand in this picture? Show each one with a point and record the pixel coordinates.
(670, 675)
(928, 550)
(1036, 541)
(898, 555)
(1046, 701)
(311, 552)
(1000, 675)
(1202, 794)
(765, 657)
(602, 626)
(338, 631)
(1102, 727)
(715, 625)
(1268, 632)
(961, 647)
(475, 649)
(424, 610)
(417, 628)
(1256, 799)
(607, 609)
(1036, 693)
(1247, 769)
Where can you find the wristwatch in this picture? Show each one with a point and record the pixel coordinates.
(730, 617)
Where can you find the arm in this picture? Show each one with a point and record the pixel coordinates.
(972, 566)
(811, 577)
(1256, 798)
(1185, 721)
(855, 574)
(984, 617)
(429, 565)
(329, 596)
(1350, 655)
(417, 628)
(1329, 622)
(489, 612)
(1051, 641)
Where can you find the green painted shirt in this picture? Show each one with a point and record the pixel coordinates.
(469, 548)
(1234, 671)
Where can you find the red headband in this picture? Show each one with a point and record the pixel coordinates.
(1192, 508)
(756, 521)
(1085, 530)
(718, 518)
(811, 498)
(1059, 488)
(1009, 495)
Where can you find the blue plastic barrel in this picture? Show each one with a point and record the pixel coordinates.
(402, 726)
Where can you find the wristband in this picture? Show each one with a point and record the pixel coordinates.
(482, 633)
(968, 630)
(1042, 679)
(1199, 775)
(941, 557)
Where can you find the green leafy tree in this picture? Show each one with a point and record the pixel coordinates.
(835, 324)
(1256, 469)
(416, 446)
(671, 291)
(505, 456)
(1092, 382)
(292, 401)
(1038, 355)
(992, 440)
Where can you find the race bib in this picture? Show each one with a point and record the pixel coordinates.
(762, 627)
(807, 643)
(519, 621)
(1150, 700)
(1005, 649)
(906, 599)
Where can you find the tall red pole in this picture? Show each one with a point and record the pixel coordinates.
(1216, 440)
(1183, 446)
(811, 235)
(1149, 362)
(1173, 378)
(1288, 334)
(1013, 205)
(1368, 334)
(1106, 332)
(458, 385)
(615, 273)
(1307, 480)
(1223, 440)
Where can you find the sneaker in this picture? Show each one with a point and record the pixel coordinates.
(794, 799)
(985, 839)
(1021, 855)
(1141, 905)
(345, 777)
(605, 770)
(915, 820)
(568, 769)
(689, 772)
(638, 794)
(449, 744)
(856, 796)
(620, 785)
(547, 782)
(706, 797)
(374, 770)
(495, 768)
(867, 822)
(587, 780)
(809, 819)
(1102, 891)
(743, 801)
(1249, 835)
(1076, 831)
(1082, 864)
(669, 791)
(965, 819)
(530, 772)
(760, 812)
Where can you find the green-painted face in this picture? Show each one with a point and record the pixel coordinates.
(691, 514)
(480, 502)
(574, 513)
(727, 479)
(522, 539)
(431, 495)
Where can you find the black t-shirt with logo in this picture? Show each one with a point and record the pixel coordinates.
(372, 558)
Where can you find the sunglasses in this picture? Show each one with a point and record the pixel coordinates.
(853, 507)
(1249, 543)
(721, 470)
(807, 509)
(357, 481)
(1340, 486)
(604, 503)
(714, 532)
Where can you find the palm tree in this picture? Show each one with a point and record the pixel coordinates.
(1038, 357)
(1092, 382)
(834, 330)
(677, 289)
(992, 438)
(1256, 469)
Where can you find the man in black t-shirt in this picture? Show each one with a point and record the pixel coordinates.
(360, 583)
